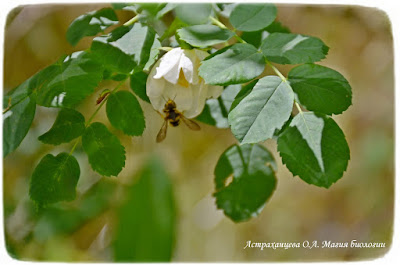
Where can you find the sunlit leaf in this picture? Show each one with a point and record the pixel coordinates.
(314, 148)
(54, 179)
(105, 152)
(320, 88)
(125, 113)
(146, 221)
(252, 17)
(262, 111)
(288, 48)
(90, 24)
(69, 124)
(204, 35)
(253, 181)
(236, 64)
(127, 48)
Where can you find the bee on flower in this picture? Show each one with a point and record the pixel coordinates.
(176, 90)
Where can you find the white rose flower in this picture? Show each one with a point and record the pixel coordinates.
(175, 76)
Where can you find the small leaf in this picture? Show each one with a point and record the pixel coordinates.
(147, 220)
(264, 110)
(314, 148)
(125, 113)
(105, 152)
(216, 110)
(54, 179)
(253, 183)
(18, 118)
(90, 24)
(256, 37)
(252, 17)
(126, 48)
(204, 35)
(236, 64)
(193, 14)
(138, 85)
(69, 124)
(320, 88)
(67, 82)
(288, 48)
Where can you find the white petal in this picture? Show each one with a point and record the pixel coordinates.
(169, 66)
(214, 91)
(187, 67)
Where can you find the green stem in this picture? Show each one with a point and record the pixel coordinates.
(276, 71)
(217, 22)
(94, 114)
(102, 103)
(132, 20)
(222, 26)
(298, 108)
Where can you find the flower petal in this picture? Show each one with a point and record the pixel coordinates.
(169, 67)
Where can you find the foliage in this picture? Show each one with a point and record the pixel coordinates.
(255, 107)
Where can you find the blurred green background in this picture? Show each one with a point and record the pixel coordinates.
(359, 206)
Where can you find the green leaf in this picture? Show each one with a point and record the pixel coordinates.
(236, 64)
(67, 82)
(90, 24)
(193, 14)
(125, 113)
(18, 118)
(138, 85)
(127, 48)
(320, 88)
(105, 152)
(146, 221)
(216, 110)
(167, 8)
(69, 124)
(243, 93)
(125, 6)
(288, 48)
(314, 148)
(204, 35)
(264, 110)
(252, 168)
(255, 37)
(54, 179)
(252, 17)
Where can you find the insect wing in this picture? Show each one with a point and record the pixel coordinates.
(191, 124)
(163, 132)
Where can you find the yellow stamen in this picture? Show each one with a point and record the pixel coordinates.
(182, 80)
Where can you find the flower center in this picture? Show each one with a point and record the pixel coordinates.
(182, 79)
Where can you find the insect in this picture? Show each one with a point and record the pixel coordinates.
(174, 117)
